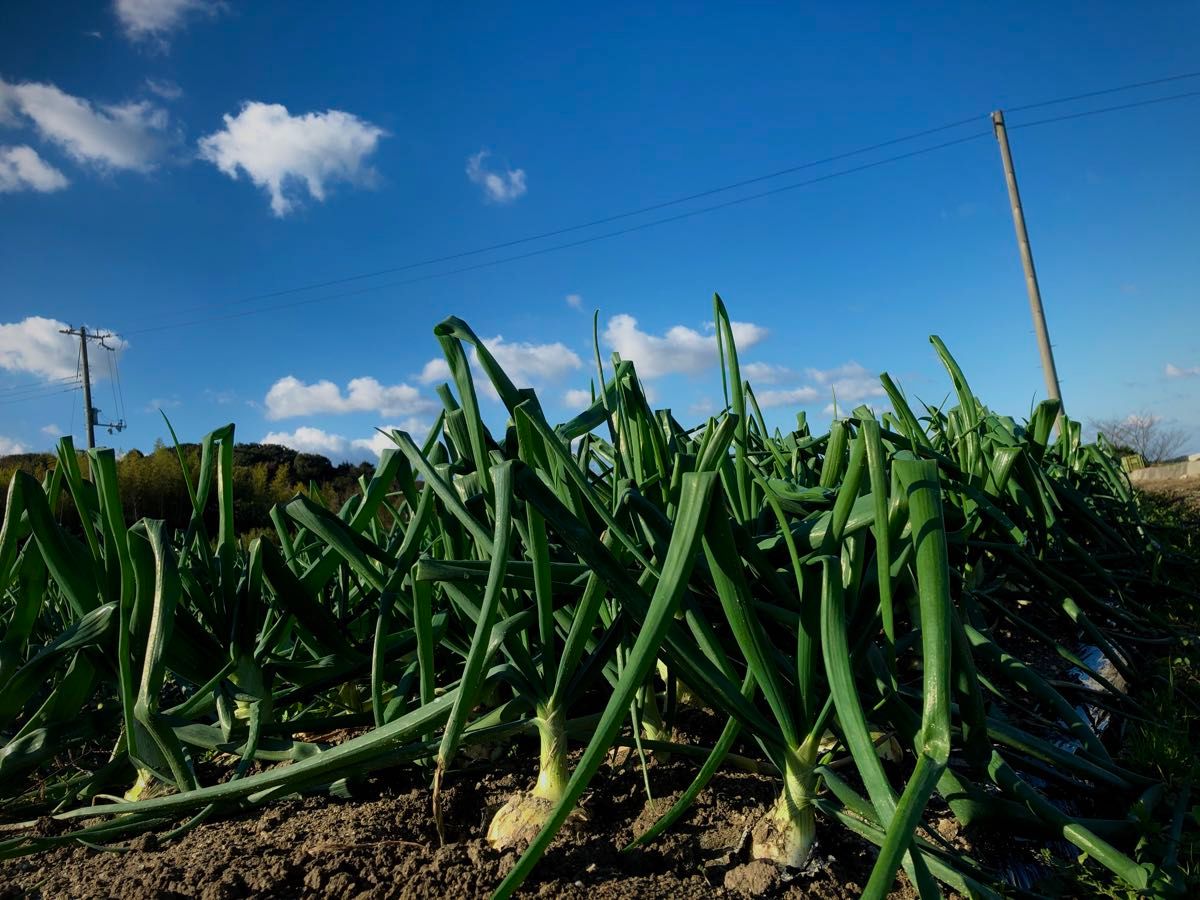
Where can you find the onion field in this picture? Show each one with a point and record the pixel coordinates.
(930, 607)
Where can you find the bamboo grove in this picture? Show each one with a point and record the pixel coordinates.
(568, 587)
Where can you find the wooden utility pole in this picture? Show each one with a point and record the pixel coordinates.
(89, 412)
(1031, 282)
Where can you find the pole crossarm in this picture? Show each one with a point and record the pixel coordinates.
(90, 413)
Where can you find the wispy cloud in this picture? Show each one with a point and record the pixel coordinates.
(1173, 371)
(158, 403)
(499, 187)
(222, 398)
(164, 88)
(156, 20)
(283, 154)
(575, 301)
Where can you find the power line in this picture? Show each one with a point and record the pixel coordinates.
(120, 390)
(565, 246)
(1112, 90)
(665, 220)
(558, 232)
(50, 389)
(75, 399)
(74, 403)
(41, 390)
(24, 384)
(39, 396)
(1105, 109)
(112, 383)
(684, 199)
(38, 384)
(644, 225)
(38, 389)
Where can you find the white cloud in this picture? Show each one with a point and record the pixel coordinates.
(851, 383)
(21, 169)
(680, 349)
(437, 369)
(530, 363)
(702, 407)
(289, 397)
(378, 442)
(222, 398)
(791, 397)
(52, 431)
(309, 439)
(1173, 371)
(158, 403)
(34, 345)
(281, 153)
(157, 19)
(539, 365)
(130, 136)
(575, 301)
(164, 88)
(9, 446)
(764, 373)
(499, 187)
(578, 398)
(843, 409)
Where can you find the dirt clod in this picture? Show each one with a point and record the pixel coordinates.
(752, 879)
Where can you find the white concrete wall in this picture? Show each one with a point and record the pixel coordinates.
(1170, 471)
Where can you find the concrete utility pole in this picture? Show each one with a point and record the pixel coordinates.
(1031, 282)
(89, 412)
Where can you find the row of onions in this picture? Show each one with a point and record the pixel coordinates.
(828, 597)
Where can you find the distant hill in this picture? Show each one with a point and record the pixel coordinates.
(152, 483)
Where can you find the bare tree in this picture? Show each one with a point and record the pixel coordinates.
(1143, 433)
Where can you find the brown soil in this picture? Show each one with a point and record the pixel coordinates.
(1183, 491)
(385, 845)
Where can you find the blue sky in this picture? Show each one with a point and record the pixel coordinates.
(162, 161)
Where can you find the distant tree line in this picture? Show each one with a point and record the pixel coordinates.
(152, 484)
